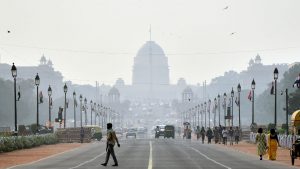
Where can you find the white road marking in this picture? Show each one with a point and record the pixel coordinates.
(81, 164)
(150, 156)
(214, 161)
(44, 158)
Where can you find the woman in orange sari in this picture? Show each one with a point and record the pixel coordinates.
(273, 144)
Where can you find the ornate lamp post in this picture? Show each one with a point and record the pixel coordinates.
(225, 97)
(275, 88)
(232, 95)
(253, 87)
(239, 89)
(209, 103)
(215, 111)
(49, 94)
(80, 99)
(74, 98)
(219, 109)
(37, 83)
(14, 75)
(85, 114)
(91, 102)
(205, 114)
(65, 112)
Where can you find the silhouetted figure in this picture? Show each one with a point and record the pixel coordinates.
(110, 143)
(202, 134)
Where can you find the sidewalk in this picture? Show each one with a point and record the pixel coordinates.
(30, 155)
(283, 155)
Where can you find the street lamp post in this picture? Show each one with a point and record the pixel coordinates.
(209, 103)
(49, 94)
(198, 112)
(225, 97)
(96, 110)
(201, 115)
(85, 114)
(91, 102)
(205, 114)
(287, 110)
(80, 99)
(215, 111)
(37, 83)
(65, 112)
(253, 87)
(74, 98)
(239, 89)
(14, 75)
(232, 95)
(275, 87)
(219, 109)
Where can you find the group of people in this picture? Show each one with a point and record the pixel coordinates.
(220, 134)
(267, 144)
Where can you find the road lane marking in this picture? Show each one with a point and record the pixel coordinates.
(81, 164)
(150, 156)
(214, 161)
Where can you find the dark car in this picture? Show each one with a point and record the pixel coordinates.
(169, 131)
(131, 132)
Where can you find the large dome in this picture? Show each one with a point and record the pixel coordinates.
(150, 65)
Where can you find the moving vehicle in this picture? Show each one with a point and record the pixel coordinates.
(169, 131)
(131, 132)
(160, 131)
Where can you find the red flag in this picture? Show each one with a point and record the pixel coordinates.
(250, 95)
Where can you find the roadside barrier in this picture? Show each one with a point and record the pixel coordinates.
(285, 141)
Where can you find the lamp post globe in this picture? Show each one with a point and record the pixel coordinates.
(253, 84)
(37, 83)
(276, 73)
(14, 75)
(49, 91)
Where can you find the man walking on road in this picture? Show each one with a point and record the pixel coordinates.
(110, 143)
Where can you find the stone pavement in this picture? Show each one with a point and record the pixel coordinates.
(29, 155)
(283, 155)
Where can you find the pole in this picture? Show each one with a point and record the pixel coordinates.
(81, 113)
(74, 113)
(91, 114)
(205, 115)
(37, 109)
(287, 110)
(252, 106)
(240, 110)
(65, 119)
(49, 111)
(275, 120)
(198, 114)
(15, 94)
(219, 109)
(225, 112)
(231, 111)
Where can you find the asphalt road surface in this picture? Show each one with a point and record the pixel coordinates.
(156, 154)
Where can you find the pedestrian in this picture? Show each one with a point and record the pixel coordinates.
(261, 143)
(220, 134)
(110, 143)
(273, 144)
(237, 135)
(81, 134)
(230, 134)
(216, 135)
(225, 135)
(203, 133)
(209, 135)
(198, 132)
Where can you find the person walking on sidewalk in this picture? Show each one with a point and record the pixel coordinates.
(237, 135)
(209, 135)
(110, 143)
(225, 135)
(231, 133)
(198, 132)
(261, 143)
(273, 144)
(202, 134)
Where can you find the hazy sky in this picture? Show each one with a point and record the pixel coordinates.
(90, 40)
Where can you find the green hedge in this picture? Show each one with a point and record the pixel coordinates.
(12, 143)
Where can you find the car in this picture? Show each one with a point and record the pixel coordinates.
(131, 132)
(169, 131)
(160, 131)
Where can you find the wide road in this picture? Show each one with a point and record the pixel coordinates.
(156, 154)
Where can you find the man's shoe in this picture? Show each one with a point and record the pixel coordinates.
(104, 164)
(115, 165)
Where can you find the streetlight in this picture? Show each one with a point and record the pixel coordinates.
(205, 114)
(275, 87)
(91, 112)
(75, 104)
(201, 115)
(253, 87)
(239, 89)
(209, 103)
(80, 99)
(219, 109)
(198, 113)
(37, 83)
(232, 95)
(215, 111)
(225, 97)
(85, 115)
(49, 94)
(14, 75)
(65, 114)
